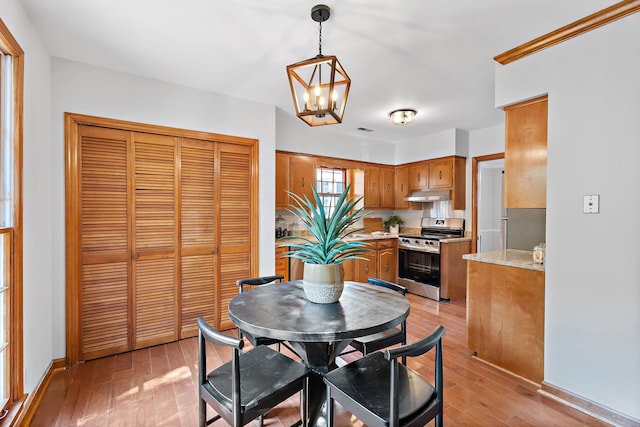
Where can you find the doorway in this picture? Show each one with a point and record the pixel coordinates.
(488, 174)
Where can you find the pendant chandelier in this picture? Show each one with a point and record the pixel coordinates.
(319, 85)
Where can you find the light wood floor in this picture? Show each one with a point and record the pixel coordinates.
(157, 386)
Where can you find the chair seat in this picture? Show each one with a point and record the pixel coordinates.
(378, 341)
(257, 382)
(354, 381)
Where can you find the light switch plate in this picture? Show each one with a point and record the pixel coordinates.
(591, 203)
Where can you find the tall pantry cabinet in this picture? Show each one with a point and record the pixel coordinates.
(159, 228)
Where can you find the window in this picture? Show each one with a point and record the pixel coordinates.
(330, 183)
(11, 78)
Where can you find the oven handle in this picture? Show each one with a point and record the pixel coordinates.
(418, 249)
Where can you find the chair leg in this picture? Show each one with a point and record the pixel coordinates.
(439, 420)
(203, 413)
(329, 408)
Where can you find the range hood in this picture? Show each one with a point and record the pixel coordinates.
(429, 196)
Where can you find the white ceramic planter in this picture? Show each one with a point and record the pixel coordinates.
(323, 283)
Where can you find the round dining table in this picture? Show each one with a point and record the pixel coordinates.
(317, 332)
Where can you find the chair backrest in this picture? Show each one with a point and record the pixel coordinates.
(418, 348)
(259, 281)
(388, 285)
(207, 333)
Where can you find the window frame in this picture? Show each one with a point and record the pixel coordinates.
(14, 315)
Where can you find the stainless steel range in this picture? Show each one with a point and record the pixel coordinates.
(419, 255)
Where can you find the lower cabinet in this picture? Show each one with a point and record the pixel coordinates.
(505, 317)
(282, 262)
(379, 263)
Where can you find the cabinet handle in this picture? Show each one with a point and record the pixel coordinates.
(440, 174)
(302, 182)
(366, 269)
(402, 188)
(135, 255)
(418, 176)
(373, 187)
(388, 188)
(386, 267)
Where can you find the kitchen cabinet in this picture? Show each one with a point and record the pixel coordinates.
(282, 262)
(419, 176)
(505, 317)
(402, 187)
(379, 263)
(387, 260)
(525, 154)
(453, 269)
(387, 187)
(441, 174)
(302, 174)
(372, 187)
(379, 184)
(282, 180)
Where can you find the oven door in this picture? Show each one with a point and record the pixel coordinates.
(419, 272)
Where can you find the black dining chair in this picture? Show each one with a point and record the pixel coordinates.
(259, 281)
(384, 339)
(380, 391)
(248, 386)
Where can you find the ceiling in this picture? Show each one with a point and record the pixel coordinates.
(434, 56)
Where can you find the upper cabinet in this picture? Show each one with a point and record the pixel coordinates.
(372, 187)
(443, 174)
(402, 187)
(294, 173)
(419, 176)
(383, 186)
(525, 154)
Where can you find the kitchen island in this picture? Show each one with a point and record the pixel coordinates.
(505, 311)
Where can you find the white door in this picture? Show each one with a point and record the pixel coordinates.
(490, 177)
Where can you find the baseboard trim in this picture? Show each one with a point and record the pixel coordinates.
(588, 406)
(520, 377)
(33, 400)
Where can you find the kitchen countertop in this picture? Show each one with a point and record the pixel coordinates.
(510, 257)
(357, 236)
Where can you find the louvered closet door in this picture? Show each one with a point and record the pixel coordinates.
(155, 239)
(234, 198)
(198, 254)
(104, 243)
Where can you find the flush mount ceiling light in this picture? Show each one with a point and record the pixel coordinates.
(319, 85)
(403, 116)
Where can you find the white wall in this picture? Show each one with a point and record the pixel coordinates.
(296, 136)
(81, 88)
(37, 196)
(592, 321)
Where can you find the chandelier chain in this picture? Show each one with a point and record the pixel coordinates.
(320, 39)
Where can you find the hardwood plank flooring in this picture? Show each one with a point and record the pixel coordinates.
(157, 386)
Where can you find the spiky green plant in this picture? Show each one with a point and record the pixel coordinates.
(327, 244)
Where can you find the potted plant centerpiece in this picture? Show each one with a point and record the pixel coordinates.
(327, 245)
(393, 224)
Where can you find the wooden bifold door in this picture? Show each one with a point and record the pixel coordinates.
(160, 224)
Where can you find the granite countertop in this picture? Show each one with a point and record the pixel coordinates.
(509, 257)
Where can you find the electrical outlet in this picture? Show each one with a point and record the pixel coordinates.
(591, 204)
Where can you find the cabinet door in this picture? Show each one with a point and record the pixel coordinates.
(282, 180)
(419, 176)
(525, 155)
(302, 173)
(387, 195)
(441, 174)
(372, 187)
(387, 264)
(402, 187)
(198, 238)
(282, 262)
(349, 269)
(155, 239)
(366, 268)
(103, 289)
(237, 227)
